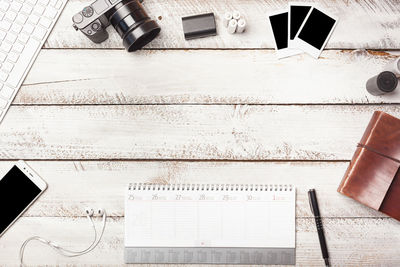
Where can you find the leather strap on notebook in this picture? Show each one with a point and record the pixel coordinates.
(377, 152)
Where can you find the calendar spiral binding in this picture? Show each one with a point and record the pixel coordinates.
(209, 187)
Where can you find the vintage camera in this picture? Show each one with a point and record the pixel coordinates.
(127, 17)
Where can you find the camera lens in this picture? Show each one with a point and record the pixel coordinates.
(133, 24)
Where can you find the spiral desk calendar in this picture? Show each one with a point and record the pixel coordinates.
(210, 223)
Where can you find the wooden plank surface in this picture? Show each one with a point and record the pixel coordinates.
(351, 242)
(191, 132)
(93, 120)
(369, 24)
(76, 184)
(238, 76)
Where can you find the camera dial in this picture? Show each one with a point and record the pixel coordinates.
(87, 11)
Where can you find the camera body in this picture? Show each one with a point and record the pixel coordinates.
(128, 17)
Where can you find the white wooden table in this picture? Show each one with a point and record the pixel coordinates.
(91, 118)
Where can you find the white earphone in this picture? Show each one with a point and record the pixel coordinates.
(66, 252)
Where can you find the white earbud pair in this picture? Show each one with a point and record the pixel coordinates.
(90, 213)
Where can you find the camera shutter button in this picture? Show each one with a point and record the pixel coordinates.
(78, 18)
(87, 11)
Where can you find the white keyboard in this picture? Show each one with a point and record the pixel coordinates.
(24, 27)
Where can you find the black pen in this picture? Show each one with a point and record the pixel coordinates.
(312, 197)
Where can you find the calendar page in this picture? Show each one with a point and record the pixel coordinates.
(210, 216)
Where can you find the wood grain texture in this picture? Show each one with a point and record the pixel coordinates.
(234, 77)
(102, 105)
(351, 242)
(73, 185)
(371, 24)
(191, 132)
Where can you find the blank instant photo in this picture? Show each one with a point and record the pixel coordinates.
(279, 25)
(315, 32)
(298, 11)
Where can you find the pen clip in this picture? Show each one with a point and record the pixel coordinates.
(309, 201)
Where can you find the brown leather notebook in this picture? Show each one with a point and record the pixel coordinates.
(373, 176)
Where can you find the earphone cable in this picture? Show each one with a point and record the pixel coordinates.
(87, 249)
(92, 246)
(63, 251)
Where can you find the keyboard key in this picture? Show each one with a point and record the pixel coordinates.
(53, 3)
(43, 2)
(3, 103)
(5, 47)
(39, 33)
(58, 4)
(10, 15)
(23, 37)
(13, 57)
(16, 75)
(2, 35)
(21, 19)
(38, 10)
(27, 9)
(3, 76)
(6, 92)
(4, 5)
(5, 25)
(16, 28)
(16, 6)
(17, 47)
(7, 67)
(28, 28)
(32, 2)
(45, 22)
(2, 57)
(11, 37)
(50, 13)
(33, 19)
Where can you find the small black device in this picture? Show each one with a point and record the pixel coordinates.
(19, 188)
(198, 26)
(128, 18)
(312, 197)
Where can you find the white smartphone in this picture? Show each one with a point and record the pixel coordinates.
(19, 188)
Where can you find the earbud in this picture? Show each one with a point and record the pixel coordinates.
(99, 212)
(89, 211)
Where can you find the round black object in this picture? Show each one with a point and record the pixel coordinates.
(133, 24)
(387, 81)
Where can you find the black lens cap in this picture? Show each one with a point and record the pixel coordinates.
(387, 81)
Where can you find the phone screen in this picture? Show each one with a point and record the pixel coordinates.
(17, 191)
